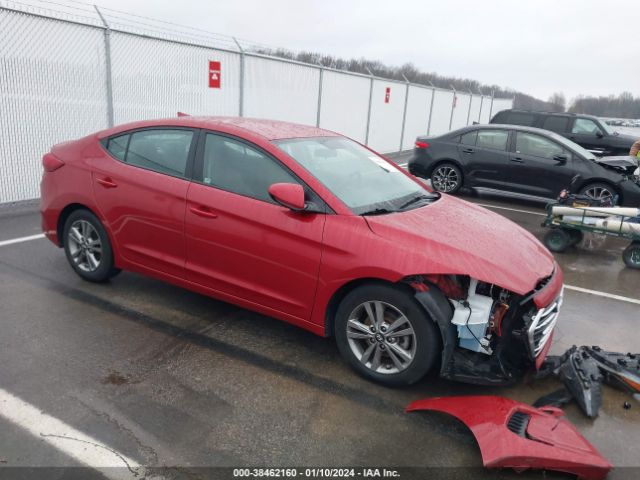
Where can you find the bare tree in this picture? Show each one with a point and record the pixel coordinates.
(558, 102)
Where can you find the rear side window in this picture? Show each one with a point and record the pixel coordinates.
(494, 139)
(469, 138)
(529, 144)
(519, 118)
(163, 151)
(117, 146)
(556, 124)
(500, 117)
(236, 167)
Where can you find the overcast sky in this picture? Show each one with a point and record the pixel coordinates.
(535, 46)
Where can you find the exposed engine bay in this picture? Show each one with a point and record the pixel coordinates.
(490, 336)
(626, 165)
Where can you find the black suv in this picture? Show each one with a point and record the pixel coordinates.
(587, 131)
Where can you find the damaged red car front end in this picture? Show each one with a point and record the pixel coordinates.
(511, 434)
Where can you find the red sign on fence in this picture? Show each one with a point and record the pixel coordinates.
(214, 74)
(387, 95)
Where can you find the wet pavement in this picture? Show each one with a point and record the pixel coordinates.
(172, 378)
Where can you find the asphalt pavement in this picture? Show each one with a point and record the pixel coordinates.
(162, 377)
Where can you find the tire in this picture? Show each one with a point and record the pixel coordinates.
(599, 191)
(87, 247)
(446, 178)
(558, 240)
(576, 236)
(631, 256)
(397, 360)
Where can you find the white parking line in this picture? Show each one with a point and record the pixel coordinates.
(486, 205)
(603, 294)
(77, 445)
(21, 239)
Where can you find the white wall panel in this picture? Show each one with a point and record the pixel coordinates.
(281, 91)
(52, 89)
(486, 109)
(417, 119)
(345, 103)
(475, 109)
(500, 104)
(386, 118)
(461, 111)
(441, 112)
(156, 78)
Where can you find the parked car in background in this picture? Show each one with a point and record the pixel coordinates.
(525, 161)
(312, 228)
(588, 131)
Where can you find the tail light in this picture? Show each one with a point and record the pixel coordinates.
(420, 144)
(51, 163)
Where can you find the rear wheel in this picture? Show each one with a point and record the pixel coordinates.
(599, 191)
(576, 236)
(88, 248)
(557, 240)
(631, 255)
(446, 178)
(384, 334)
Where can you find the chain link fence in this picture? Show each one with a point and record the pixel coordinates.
(68, 72)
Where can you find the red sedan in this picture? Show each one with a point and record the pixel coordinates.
(310, 227)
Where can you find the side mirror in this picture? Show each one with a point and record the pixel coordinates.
(562, 158)
(599, 134)
(290, 195)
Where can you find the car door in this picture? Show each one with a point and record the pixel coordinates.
(540, 166)
(239, 241)
(484, 154)
(140, 188)
(588, 134)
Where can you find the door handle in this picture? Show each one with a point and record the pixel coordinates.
(468, 150)
(203, 212)
(517, 159)
(107, 182)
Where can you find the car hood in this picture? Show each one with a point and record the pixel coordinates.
(459, 237)
(623, 139)
(622, 161)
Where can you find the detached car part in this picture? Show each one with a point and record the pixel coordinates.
(515, 435)
(580, 374)
(619, 370)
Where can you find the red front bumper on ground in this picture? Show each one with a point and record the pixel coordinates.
(515, 435)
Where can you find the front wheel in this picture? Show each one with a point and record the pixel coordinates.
(88, 248)
(558, 240)
(384, 334)
(631, 256)
(446, 178)
(599, 191)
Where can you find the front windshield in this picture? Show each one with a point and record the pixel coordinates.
(573, 146)
(362, 180)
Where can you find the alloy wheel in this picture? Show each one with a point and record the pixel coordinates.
(445, 179)
(381, 337)
(599, 193)
(85, 246)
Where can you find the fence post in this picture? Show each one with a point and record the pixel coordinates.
(107, 54)
(241, 93)
(404, 113)
(433, 95)
(470, 103)
(453, 105)
(481, 101)
(320, 95)
(491, 105)
(366, 136)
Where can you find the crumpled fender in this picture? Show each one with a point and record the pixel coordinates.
(532, 438)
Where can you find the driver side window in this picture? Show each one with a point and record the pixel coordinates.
(585, 126)
(529, 144)
(236, 167)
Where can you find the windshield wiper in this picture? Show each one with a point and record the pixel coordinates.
(416, 200)
(378, 211)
